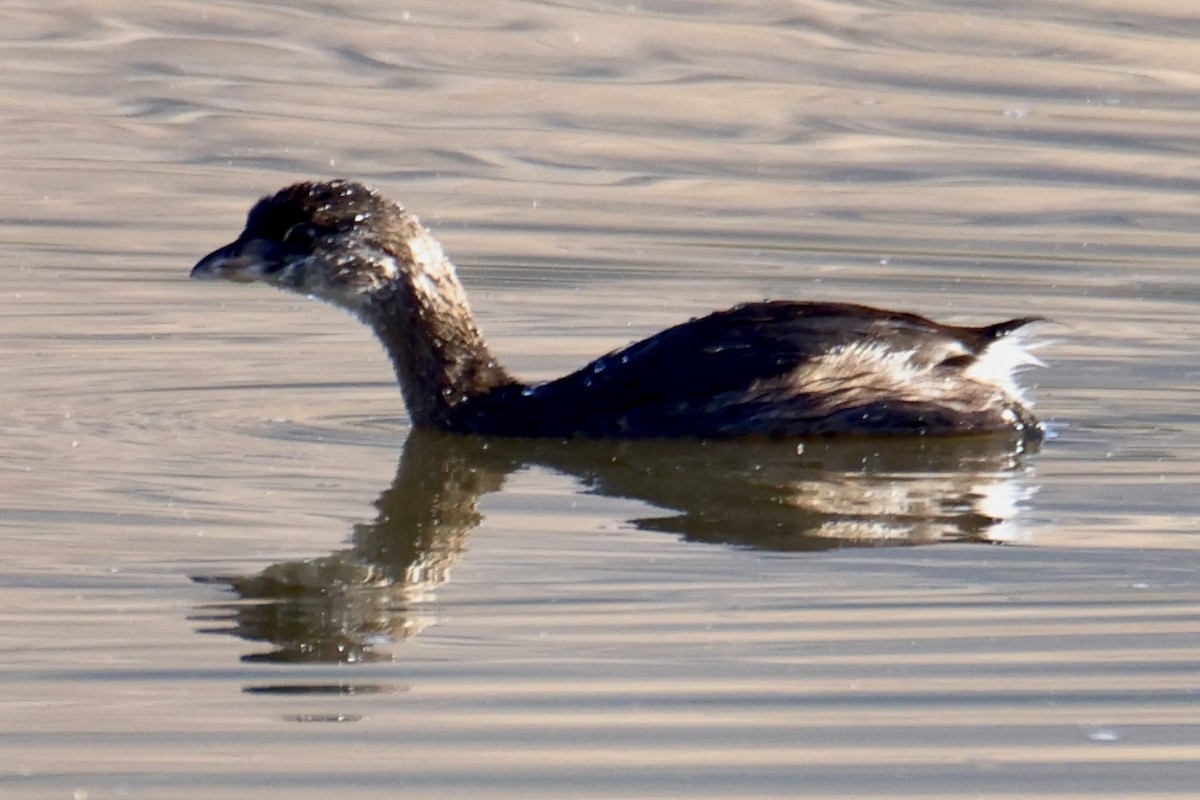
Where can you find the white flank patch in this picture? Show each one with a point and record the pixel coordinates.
(1003, 358)
(859, 358)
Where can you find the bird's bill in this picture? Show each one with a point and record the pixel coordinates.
(242, 261)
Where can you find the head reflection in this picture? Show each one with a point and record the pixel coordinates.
(354, 604)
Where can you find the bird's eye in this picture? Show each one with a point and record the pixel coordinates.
(300, 236)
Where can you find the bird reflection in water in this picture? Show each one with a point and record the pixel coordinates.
(351, 605)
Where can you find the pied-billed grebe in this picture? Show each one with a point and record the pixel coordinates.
(776, 369)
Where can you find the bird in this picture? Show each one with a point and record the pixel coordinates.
(772, 369)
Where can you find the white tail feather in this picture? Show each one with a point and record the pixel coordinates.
(1000, 362)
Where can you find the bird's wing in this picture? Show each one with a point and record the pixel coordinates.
(731, 367)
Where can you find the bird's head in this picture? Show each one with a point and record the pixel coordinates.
(338, 241)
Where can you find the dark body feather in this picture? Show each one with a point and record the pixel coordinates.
(773, 369)
(742, 372)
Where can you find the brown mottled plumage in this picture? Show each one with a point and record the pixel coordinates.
(766, 369)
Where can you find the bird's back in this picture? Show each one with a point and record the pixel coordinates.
(781, 369)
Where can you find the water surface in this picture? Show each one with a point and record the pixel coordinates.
(230, 568)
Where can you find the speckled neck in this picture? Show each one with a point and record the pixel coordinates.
(423, 320)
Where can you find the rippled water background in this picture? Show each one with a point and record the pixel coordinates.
(222, 576)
